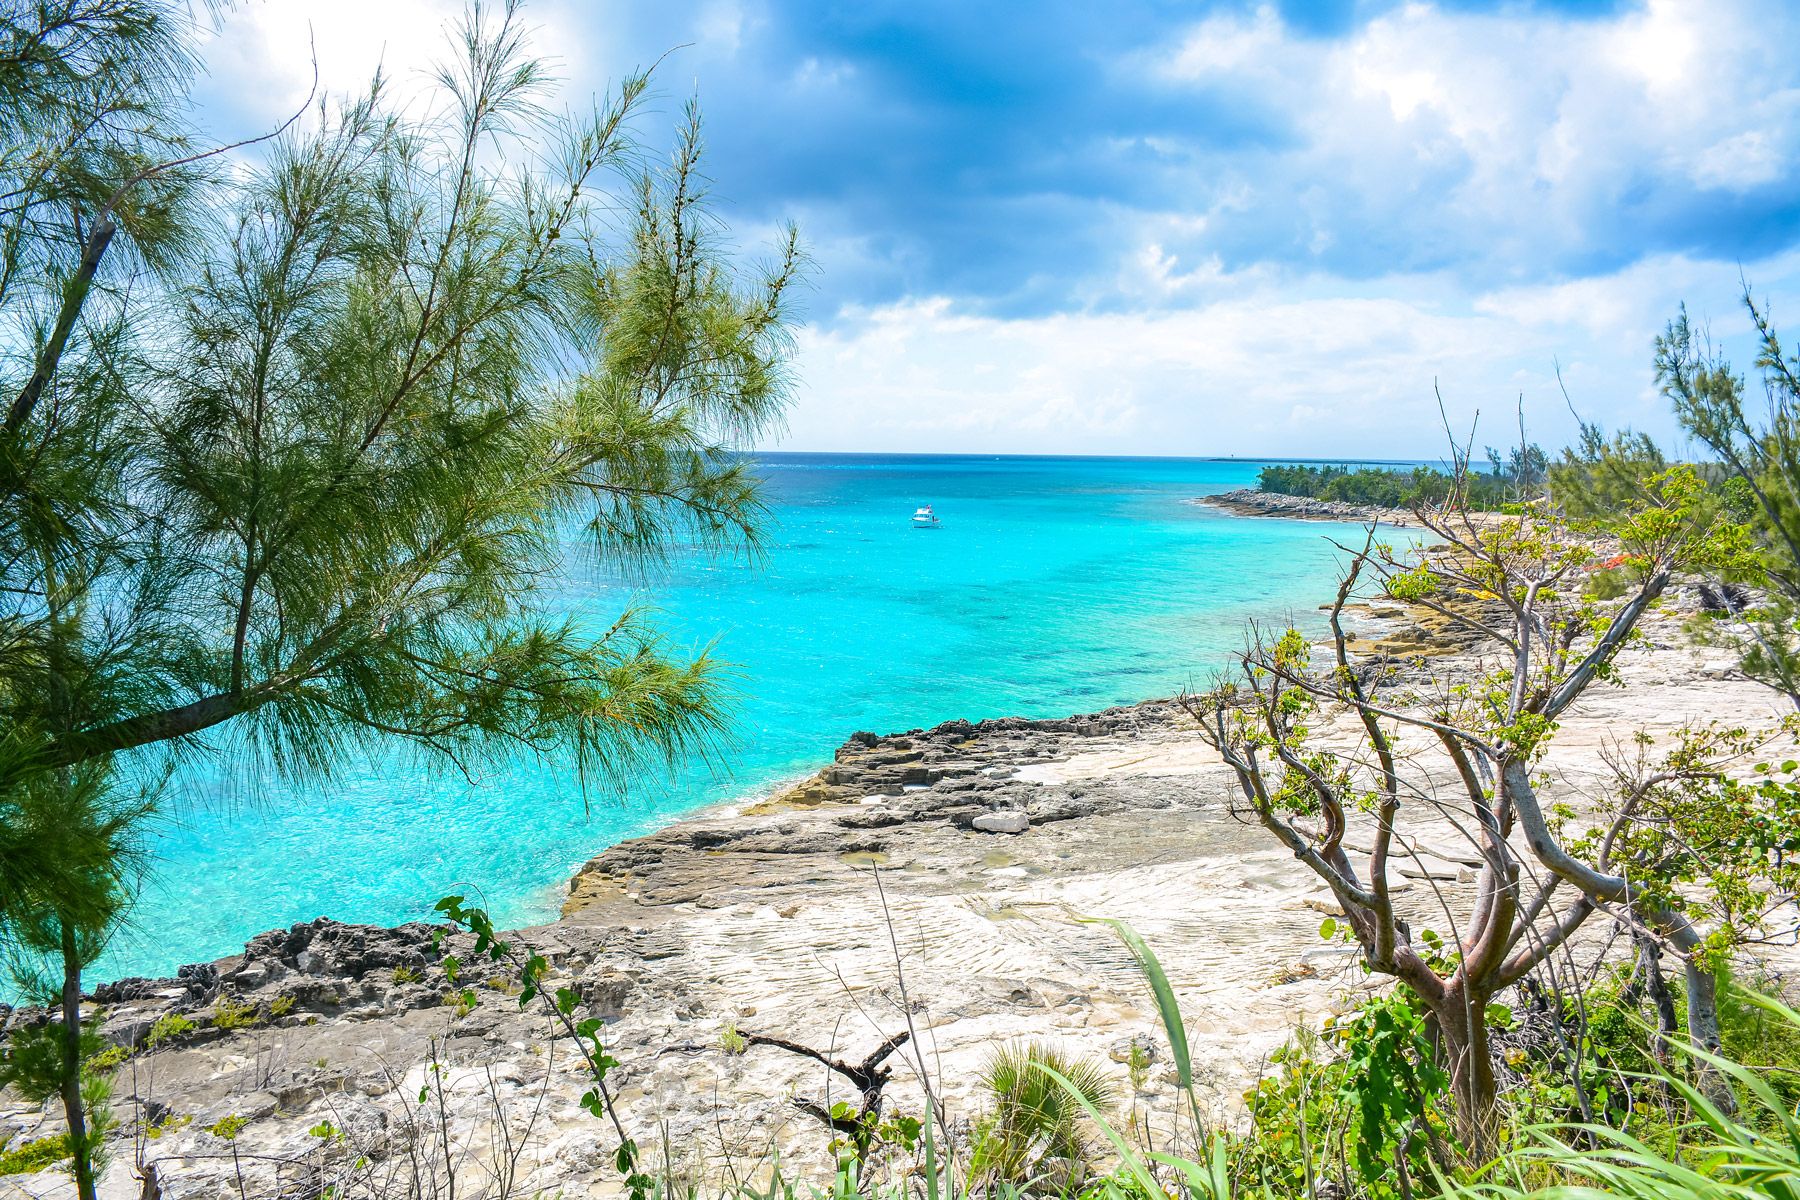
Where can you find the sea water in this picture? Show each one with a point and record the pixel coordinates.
(1053, 586)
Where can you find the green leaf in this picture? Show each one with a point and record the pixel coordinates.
(1165, 995)
(1328, 928)
(1135, 1165)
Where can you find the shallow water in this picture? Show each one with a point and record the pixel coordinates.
(1053, 586)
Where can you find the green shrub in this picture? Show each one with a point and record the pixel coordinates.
(1367, 1095)
(108, 1058)
(1037, 1129)
(1602, 1065)
(228, 1127)
(168, 1123)
(1716, 1155)
(1762, 1038)
(30, 1157)
(167, 1028)
(233, 1014)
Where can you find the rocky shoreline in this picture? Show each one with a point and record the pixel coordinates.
(328, 1024)
(1249, 502)
(933, 877)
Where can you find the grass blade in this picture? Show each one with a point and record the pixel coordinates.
(1165, 995)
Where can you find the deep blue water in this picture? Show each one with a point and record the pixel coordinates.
(1054, 586)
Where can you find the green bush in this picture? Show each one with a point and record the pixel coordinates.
(1383, 487)
(1601, 1066)
(1715, 1155)
(1366, 1099)
(29, 1157)
(167, 1028)
(233, 1014)
(1037, 1132)
(108, 1058)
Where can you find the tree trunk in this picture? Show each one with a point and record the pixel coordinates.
(1462, 1024)
(1657, 988)
(71, 1076)
(1703, 1033)
(75, 294)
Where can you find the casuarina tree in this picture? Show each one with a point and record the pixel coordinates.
(288, 457)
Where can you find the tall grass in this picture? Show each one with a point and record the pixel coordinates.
(1749, 1153)
(1753, 1152)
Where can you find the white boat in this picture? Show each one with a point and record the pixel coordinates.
(925, 519)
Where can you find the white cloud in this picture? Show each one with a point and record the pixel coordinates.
(1292, 367)
(1225, 44)
(1224, 378)
(814, 73)
(257, 57)
(1513, 142)
(720, 26)
(1740, 162)
(1486, 153)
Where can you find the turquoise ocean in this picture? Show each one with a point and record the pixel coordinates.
(1054, 586)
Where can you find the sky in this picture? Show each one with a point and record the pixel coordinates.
(1146, 227)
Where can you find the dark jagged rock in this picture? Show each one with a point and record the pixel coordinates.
(1724, 598)
(1250, 502)
(332, 949)
(891, 765)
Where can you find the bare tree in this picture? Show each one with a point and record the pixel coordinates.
(1464, 750)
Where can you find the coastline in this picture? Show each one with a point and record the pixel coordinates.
(957, 858)
(1249, 502)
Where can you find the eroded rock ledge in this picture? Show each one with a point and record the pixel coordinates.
(764, 918)
(955, 774)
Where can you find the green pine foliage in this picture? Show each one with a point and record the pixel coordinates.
(287, 453)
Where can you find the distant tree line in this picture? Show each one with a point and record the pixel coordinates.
(1513, 477)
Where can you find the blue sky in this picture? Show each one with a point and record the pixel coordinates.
(1233, 228)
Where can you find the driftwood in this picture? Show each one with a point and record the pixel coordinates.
(869, 1077)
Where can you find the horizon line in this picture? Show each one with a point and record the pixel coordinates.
(990, 454)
